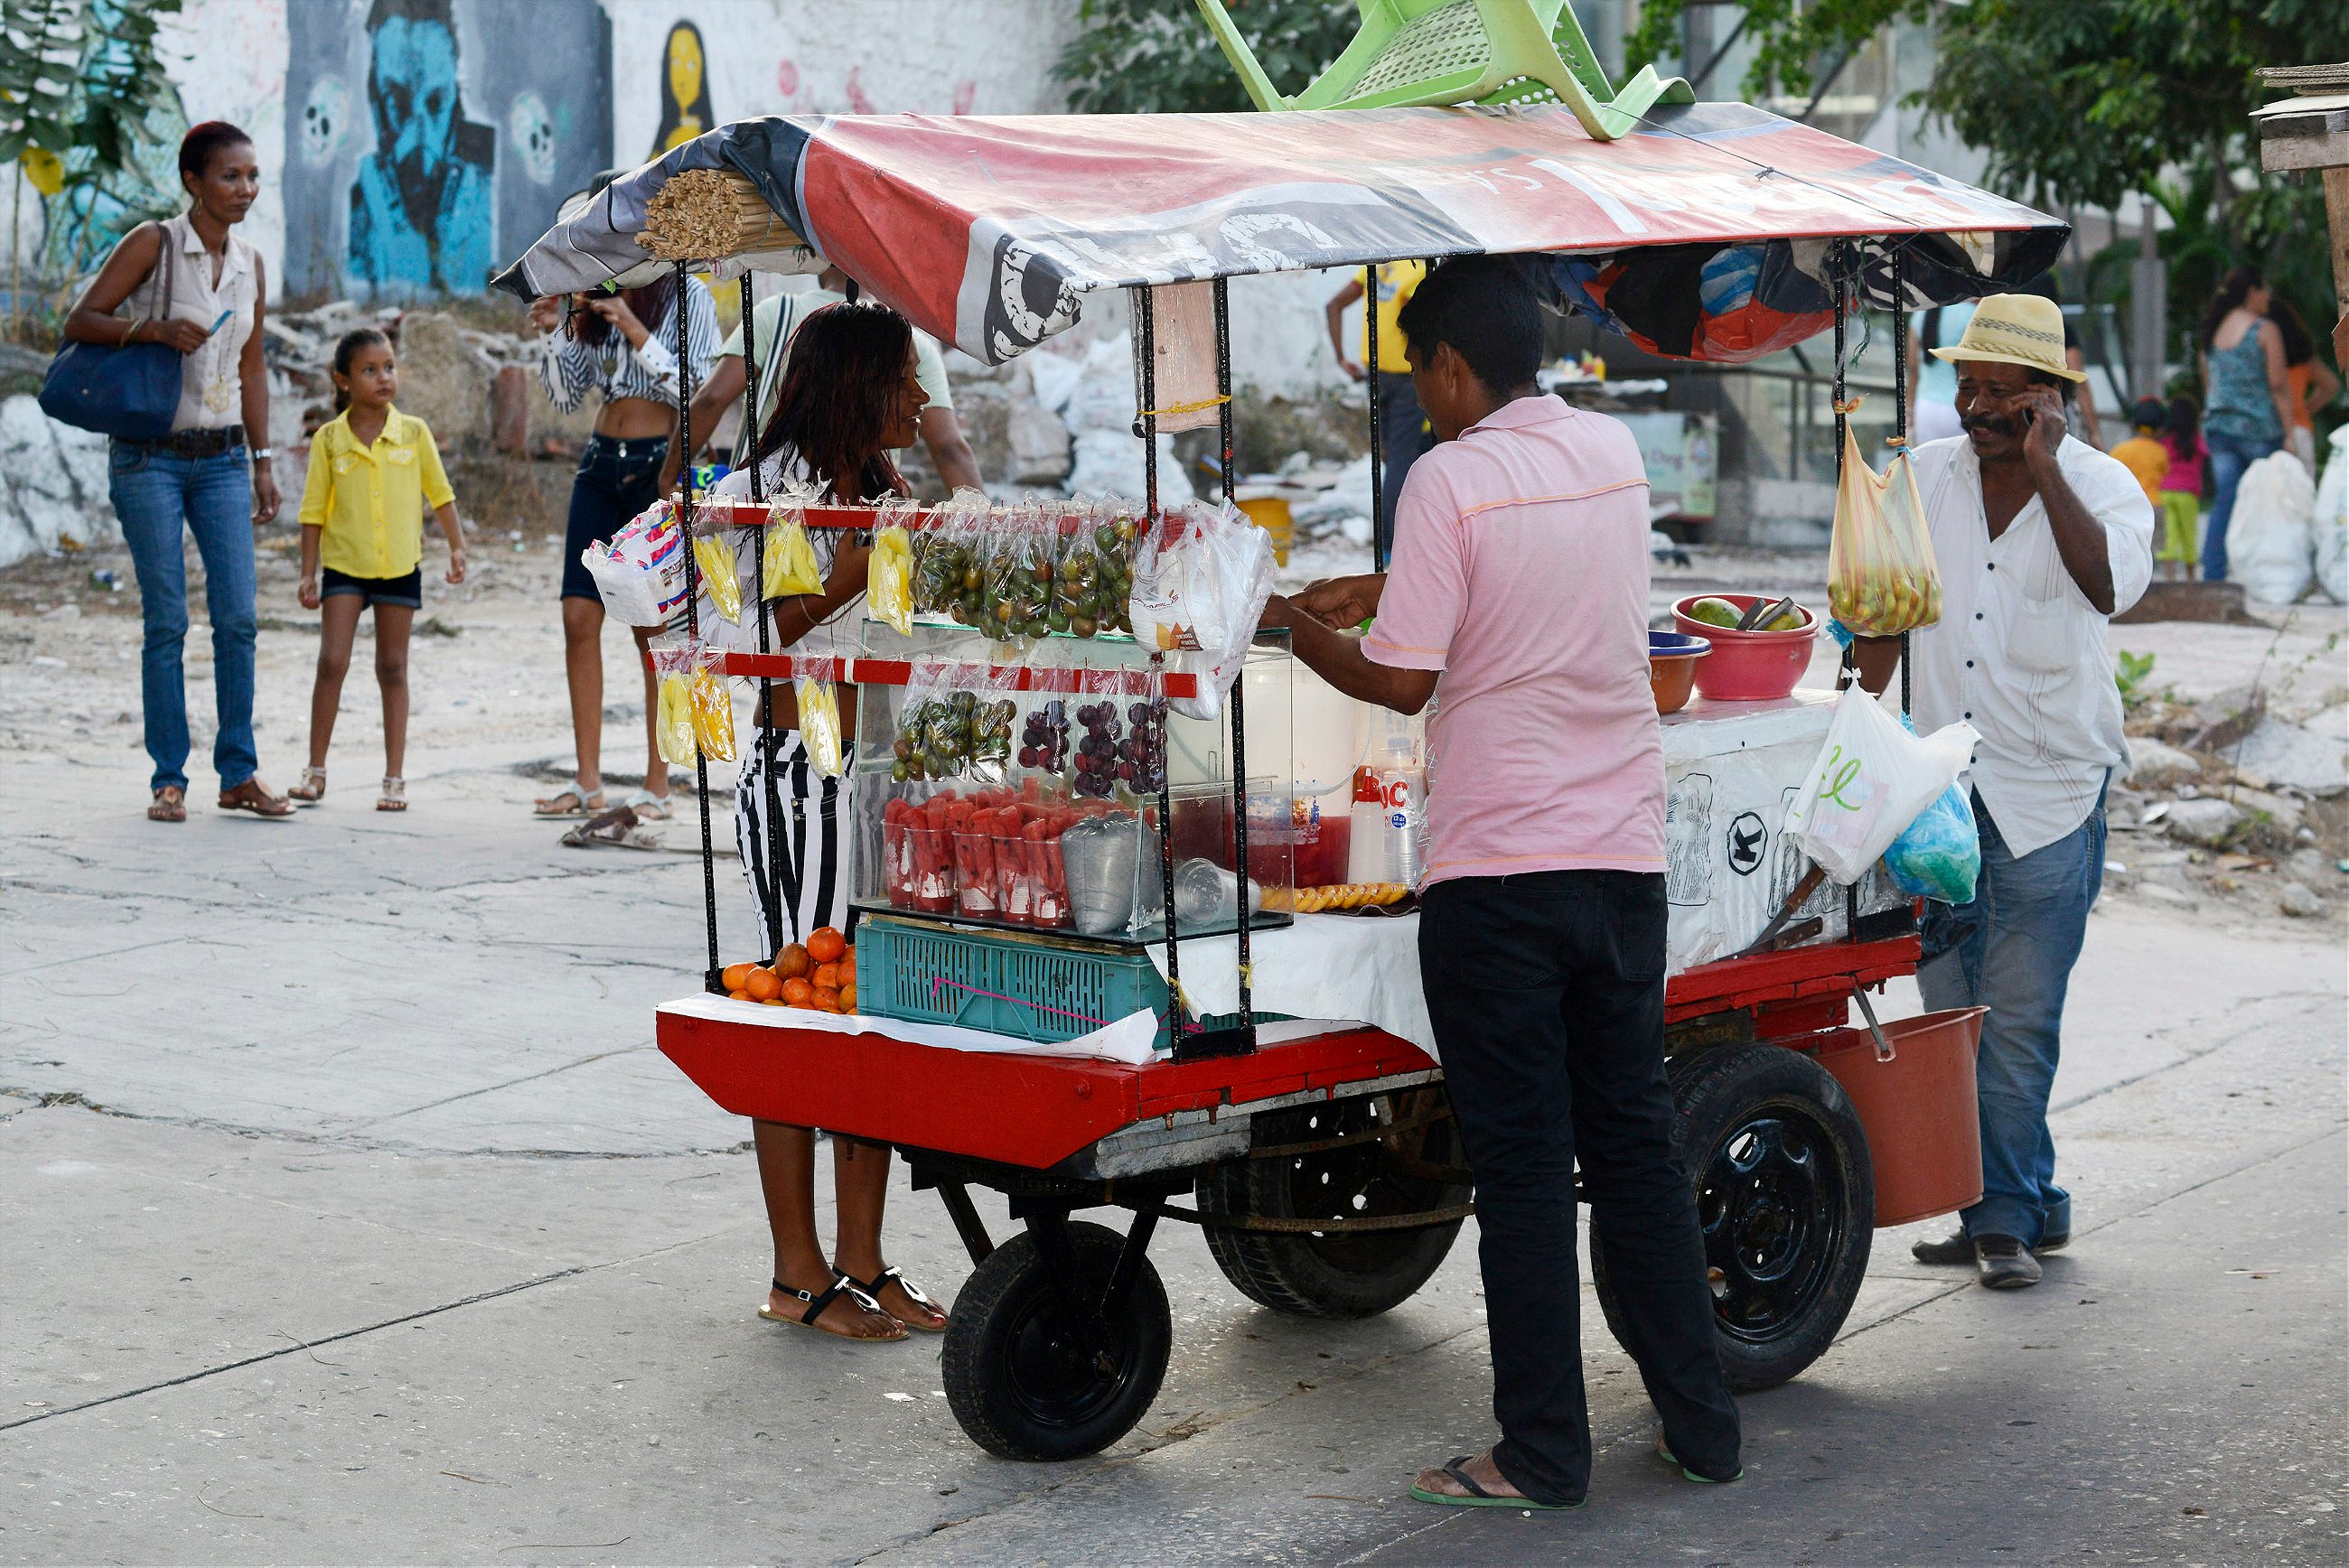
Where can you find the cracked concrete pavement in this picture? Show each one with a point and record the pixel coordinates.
(351, 1216)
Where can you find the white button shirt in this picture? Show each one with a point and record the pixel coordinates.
(2019, 651)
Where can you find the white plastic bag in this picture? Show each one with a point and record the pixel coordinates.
(2331, 522)
(2268, 547)
(1200, 581)
(1872, 780)
(640, 574)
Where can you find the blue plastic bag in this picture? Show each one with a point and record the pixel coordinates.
(1938, 855)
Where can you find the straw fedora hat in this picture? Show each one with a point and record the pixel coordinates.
(2026, 330)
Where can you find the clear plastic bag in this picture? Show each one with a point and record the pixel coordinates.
(1019, 573)
(1938, 855)
(889, 576)
(673, 727)
(1093, 571)
(818, 705)
(1882, 579)
(713, 553)
(1200, 581)
(787, 565)
(948, 577)
(712, 702)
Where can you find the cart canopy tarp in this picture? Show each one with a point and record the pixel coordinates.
(986, 230)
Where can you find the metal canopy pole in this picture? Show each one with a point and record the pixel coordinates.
(1241, 1038)
(1146, 316)
(713, 979)
(1900, 413)
(762, 734)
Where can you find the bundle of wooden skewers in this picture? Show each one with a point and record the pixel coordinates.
(707, 214)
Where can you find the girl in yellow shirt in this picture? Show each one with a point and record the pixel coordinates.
(373, 470)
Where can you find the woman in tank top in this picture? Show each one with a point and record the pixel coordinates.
(2244, 394)
(208, 476)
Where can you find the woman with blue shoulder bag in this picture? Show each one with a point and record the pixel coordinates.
(194, 288)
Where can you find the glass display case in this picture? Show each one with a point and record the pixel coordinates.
(1025, 796)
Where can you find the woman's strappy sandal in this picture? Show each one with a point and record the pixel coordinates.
(819, 1300)
(893, 1275)
(394, 797)
(311, 790)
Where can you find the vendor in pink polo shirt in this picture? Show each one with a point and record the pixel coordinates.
(1519, 590)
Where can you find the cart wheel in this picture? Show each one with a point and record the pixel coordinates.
(1785, 1197)
(1356, 1275)
(1019, 1375)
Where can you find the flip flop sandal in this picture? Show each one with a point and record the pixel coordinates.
(892, 1275)
(1478, 1497)
(253, 795)
(819, 1300)
(394, 797)
(618, 828)
(1665, 1453)
(587, 805)
(170, 805)
(648, 806)
(311, 790)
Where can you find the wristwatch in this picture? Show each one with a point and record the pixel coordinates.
(262, 454)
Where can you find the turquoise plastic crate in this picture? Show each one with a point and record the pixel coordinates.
(1030, 988)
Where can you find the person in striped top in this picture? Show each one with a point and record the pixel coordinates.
(621, 346)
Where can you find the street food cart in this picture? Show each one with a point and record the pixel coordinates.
(1154, 1069)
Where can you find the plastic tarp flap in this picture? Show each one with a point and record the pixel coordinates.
(989, 231)
(1731, 772)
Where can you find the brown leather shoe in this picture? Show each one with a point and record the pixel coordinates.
(170, 805)
(253, 795)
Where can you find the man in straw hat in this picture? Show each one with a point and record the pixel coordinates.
(2041, 539)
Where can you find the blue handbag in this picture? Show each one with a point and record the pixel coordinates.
(132, 393)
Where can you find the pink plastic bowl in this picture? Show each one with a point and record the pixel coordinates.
(1747, 666)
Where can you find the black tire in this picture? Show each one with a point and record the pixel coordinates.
(1016, 1376)
(1785, 1198)
(1357, 1275)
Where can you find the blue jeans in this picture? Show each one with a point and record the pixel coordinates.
(2012, 950)
(157, 493)
(2229, 456)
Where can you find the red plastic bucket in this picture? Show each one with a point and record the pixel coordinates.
(1747, 666)
(1924, 1128)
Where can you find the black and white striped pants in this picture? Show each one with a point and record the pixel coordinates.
(809, 881)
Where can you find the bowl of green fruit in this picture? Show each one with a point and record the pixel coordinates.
(1761, 644)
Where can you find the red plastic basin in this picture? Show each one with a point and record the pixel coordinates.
(1747, 666)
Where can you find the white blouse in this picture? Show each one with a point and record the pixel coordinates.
(211, 387)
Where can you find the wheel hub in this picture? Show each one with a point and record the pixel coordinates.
(1771, 1205)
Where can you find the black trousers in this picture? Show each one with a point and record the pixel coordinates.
(1547, 990)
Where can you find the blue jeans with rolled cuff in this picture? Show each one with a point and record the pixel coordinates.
(2230, 457)
(2011, 951)
(157, 494)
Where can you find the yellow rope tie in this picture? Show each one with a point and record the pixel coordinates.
(1896, 440)
(1215, 402)
(1849, 408)
(1247, 975)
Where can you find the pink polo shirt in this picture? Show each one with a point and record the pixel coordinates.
(1520, 571)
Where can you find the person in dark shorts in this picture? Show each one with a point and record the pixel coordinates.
(373, 470)
(624, 346)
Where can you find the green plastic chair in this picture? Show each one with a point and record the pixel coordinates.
(1418, 52)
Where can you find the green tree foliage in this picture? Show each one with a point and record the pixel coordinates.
(1157, 56)
(40, 47)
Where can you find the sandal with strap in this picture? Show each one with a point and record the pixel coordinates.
(1471, 1495)
(394, 795)
(170, 805)
(819, 1300)
(311, 790)
(587, 805)
(894, 1275)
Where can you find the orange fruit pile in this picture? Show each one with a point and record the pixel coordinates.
(821, 975)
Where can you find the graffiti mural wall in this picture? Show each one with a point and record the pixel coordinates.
(424, 141)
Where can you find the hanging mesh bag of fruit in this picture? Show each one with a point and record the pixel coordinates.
(1881, 580)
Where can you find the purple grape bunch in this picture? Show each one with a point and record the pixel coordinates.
(1044, 739)
(1111, 755)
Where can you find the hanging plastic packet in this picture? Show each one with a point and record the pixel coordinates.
(1119, 526)
(640, 572)
(712, 706)
(1018, 577)
(889, 576)
(819, 704)
(930, 742)
(1881, 576)
(1200, 581)
(991, 713)
(941, 557)
(713, 553)
(673, 726)
(788, 566)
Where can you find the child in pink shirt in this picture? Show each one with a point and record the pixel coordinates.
(2181, 488)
